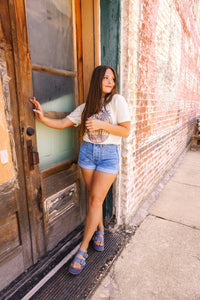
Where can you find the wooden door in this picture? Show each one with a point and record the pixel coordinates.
(15, 240)
(55, 84)
(46, 47)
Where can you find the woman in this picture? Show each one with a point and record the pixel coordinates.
(104, 119)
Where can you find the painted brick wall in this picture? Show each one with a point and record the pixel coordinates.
(160, 79)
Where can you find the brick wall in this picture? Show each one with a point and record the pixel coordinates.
(160, 75)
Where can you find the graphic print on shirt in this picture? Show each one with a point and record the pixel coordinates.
(99, 136)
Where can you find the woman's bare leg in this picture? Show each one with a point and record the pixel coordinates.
(88, 177)
(100, 184)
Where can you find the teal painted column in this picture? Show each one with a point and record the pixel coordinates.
(110, 55)
(110, 33)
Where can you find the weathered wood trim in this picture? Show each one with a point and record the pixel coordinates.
(79, 51)
(7, 257)
(75, 61)
(53, 169)
(14, 262)
(8, 204)
(5, 30)
(74, 53)
(97, 38)
(53, 71)
(55, 230)
(56, 114)
(90, 13)
(60, 180)
(87, 12)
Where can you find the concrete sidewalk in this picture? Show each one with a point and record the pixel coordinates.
(162, 260)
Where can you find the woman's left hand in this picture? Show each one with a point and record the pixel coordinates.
(93, 124)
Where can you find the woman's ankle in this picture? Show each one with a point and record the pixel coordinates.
(100, 228)
(83, 248)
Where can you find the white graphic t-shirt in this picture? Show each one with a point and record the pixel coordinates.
(116, 112)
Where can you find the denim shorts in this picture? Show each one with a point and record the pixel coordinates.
(100, 157)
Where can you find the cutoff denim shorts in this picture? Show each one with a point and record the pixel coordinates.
(100, 157)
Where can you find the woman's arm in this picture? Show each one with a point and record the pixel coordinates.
(122, 129)
(54, 123)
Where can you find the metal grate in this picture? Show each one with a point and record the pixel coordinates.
(29, 279)
(65, 286)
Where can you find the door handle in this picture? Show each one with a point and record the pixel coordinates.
(30, 131)
(33, 156)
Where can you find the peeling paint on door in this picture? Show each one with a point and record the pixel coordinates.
(6, 164)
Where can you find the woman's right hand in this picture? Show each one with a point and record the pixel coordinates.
(53, 123)
(38, 109)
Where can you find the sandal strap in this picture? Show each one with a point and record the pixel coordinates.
(99, 232)
(84, 254)
(79, 260)
(98, 238)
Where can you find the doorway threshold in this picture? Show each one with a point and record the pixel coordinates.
(60, 284)
(28, 280)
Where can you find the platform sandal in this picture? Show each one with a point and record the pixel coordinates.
(79, 260)
(98, 238)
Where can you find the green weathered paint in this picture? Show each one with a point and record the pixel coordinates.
(110, 33)
(110, 55)
(108, 205)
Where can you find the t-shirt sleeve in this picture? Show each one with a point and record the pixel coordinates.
(123, 114)
(75, 116)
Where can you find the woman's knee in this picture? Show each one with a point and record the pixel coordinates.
(95, 201)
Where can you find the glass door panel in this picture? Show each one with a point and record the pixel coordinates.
(55, 145)
(50, 33)
(54, 92)
(50, 28)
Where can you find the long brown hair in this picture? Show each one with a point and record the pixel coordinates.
(93, 101)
